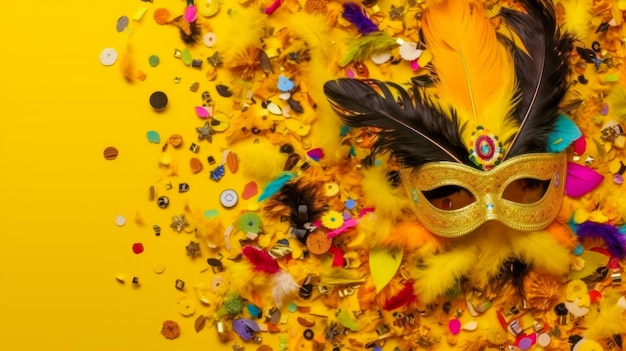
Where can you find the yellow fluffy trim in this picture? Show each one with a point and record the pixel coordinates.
(412, 236)
(606, 320)
(479, 258)
(387, 200)
(260, 161)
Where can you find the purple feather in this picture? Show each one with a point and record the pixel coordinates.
(245, 328)
(355, 15)
(615, 241)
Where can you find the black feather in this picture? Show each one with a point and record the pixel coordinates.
(303, 200)
(191, 36)
(413, 131)
(189, 31)
(512, 272)
(541, 77)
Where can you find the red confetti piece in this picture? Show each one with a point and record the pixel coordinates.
(250, 190)
(138, 248)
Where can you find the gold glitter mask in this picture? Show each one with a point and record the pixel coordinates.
(524, 193)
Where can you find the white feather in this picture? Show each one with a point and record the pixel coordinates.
(284, 285)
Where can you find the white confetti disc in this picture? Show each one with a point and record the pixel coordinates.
(209, 39)
(120, 220)
(108, 56)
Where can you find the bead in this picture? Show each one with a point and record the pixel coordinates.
(163, 201)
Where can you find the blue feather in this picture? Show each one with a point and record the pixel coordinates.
(274, 186)
(564, 133)
(356, 15)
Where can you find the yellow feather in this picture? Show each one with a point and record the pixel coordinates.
(243, 280)
(532, 247)
(493, 248)
(442, 271)
(259, 161)
(617, 103)
(475, 71)
(607, 320)
(255, 23)
(412, 236)
(479, 258)
(379, 193)
(312, 32)
(375, 228)
(575, 17)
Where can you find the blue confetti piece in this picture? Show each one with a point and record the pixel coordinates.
(153, 137)
(578, 250)
(285, 84)
(254, 311)
(344, 131)
(218, 173)
(350, 204)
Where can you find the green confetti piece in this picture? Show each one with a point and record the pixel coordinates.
(611, 78)
(211, 213)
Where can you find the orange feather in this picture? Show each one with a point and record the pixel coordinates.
(474, 69)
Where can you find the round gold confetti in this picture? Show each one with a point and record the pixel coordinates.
(110, 153)
(170, 329)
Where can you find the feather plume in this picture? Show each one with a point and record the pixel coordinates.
(300, 192)
(405, 297)
(275, 185)
(380, 193)
(242, 278)
(607, 320)
(362, 47)
(413, 237)
(614, 240)
(512, 273)
(541, 75)
(493, 242)
(353, 13)
(576, 17)
(412, 131)
(259, 161)
(468, 59)
(525, 247)
(565, 133)
(284, 286)
(189, 31)
(261, 260)
(377, 229)
(255, 27)
(442, 272)
(617, 103)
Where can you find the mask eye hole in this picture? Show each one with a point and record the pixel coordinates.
(449, 197)
(526, 190)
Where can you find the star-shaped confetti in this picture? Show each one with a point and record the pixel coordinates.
(179, 222)
(215, 60)
(205, 132)
(396, 13)
(193, 248)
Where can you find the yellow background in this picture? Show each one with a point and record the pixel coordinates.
(60, 249)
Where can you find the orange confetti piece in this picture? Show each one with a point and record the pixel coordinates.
(161, 16)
